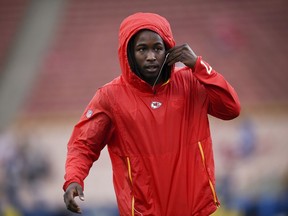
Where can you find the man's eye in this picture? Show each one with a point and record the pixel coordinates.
(157, 49)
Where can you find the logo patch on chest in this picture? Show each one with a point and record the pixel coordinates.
(155, 104)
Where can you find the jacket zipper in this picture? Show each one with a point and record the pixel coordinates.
(210, 182)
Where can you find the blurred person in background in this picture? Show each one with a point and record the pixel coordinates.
(11, 165)
(154, 120)
(22, 168)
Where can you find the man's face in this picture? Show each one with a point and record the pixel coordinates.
(149, 52)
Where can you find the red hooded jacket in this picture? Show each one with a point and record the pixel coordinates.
(159, 142)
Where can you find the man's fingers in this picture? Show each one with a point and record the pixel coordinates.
(182, 53)
(72, 205)
(175, 54)
(81, 197)
(173, 59)
(173, 49)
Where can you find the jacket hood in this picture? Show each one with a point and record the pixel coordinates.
(129, 27)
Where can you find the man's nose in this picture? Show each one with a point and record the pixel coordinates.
(151, 56)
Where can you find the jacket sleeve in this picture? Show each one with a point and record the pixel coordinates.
(88, 138)
(223, 99)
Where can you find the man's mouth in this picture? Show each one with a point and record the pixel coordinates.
(152, 68)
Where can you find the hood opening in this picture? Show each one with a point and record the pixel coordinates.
(128, 29)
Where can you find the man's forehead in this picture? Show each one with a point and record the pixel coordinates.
(145, 35)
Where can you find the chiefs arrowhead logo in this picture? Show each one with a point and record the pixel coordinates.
(155, 104)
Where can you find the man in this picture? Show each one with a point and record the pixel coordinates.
(154, 121)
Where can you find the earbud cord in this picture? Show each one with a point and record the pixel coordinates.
(160, 72)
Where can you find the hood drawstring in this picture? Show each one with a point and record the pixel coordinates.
(159, 73)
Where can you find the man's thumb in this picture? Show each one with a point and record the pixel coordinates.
(80, 193)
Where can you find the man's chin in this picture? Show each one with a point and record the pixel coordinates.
(150, 74)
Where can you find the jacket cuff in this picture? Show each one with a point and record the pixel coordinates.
(198, 61)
